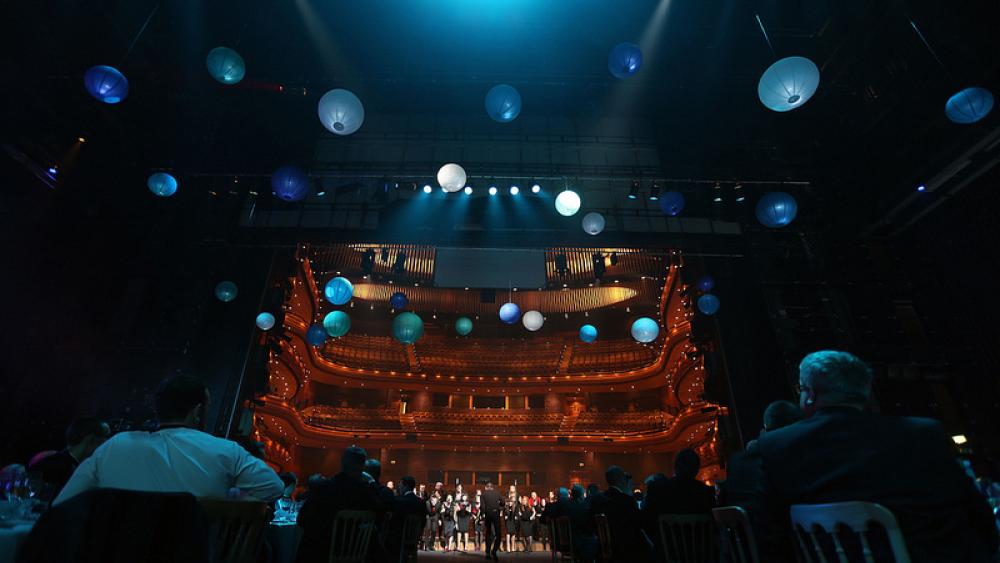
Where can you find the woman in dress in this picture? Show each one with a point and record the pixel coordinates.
(448, 518)
(511, 513)
(527, 522)
(431, 527)
(541, 528)
(463, 516)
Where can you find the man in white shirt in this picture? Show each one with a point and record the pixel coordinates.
(178, 457)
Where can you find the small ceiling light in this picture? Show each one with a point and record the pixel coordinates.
(535, 188)
(53, 171)
(81, 139)
(654, 191)
(717, 191)
(921, 188)
(428, 189)
(468, 190)
(633, 192)
(959, 439)
(514, 190)
(493, 190)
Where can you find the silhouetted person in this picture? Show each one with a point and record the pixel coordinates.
(407, 503)
(492, 503)
(373, 469)
(624, 518)
(681, 494)
(311, 482)
(83, 436)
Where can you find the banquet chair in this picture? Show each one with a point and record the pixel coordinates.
(236, 529)
(688, 538)
(552, 539)
(738, 541)
(562, 541)
(412, 528)
(352, 534)
(604, 537)
(841, 520)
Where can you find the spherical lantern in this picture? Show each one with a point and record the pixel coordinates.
(290, 183)
(463, 326)
(337, 323)
(708, 304)
(162, 184)
(969, 105)
(226, 291)
(593, 223)
(106, 84)
(338, 290)
(645, 330)
(625, 60)
(706, 283)
(567, 203)
(316, 335)
(398, 301)
(341, 112)
(225, 65)
(265, 321)
(451, 177)
(533, 320)
(588, 333)
(509, 313)
(407, 328)
(672, 203)
(776, 209)
(503, 103)
(788, 83)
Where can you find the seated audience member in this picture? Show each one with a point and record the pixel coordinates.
(841, 453)
(311, 482)
(407, 503)
(290, 481)
(681, 494)
(178, 457)
(374, 469)
(83, 436)
(624, 518)
(584, 533)
(593, 492)
(347, 490)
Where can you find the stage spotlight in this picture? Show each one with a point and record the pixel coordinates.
(598, 261)
(514, 190)
(717, 193)
(614, 258)
(920, 188)
(536, 188)
(654, 191)
(633, 192)
(468, 190)
(738, 193)
(81, 139)
(428, 189)
(493, 190)
(52, 171)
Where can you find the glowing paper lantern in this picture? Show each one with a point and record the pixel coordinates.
(106, 84)
(290, 183)
(776, 209)
(341, 112)
(225, 65)
(463, 326)
(593, 223)
(265, 321)
(162, 184)
(625, 60)
(788, 83)
(503, 103)
(708, 304)
(672, 203)
(645, 330)
(451, 177)
(407, 328)
(337, 323)
(588, 333)
(969, 105)
(706, 283)
(338, 290)
(533, 320)
(567, 203)
(509, 313)
(226, 291)
(398, 300)
(316, 335)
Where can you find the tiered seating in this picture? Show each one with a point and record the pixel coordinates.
(351, 418)
(486, 422)
(370, 352)
(617, 423)
(490, 359)
(606, 356)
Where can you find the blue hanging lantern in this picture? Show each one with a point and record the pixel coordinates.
(645, 330)
(316, 335)
(969, 105)
(463, 326)
(265, 321)
(337, 323)
(708, 304)
(290, 183)
(162, 184)
(338, 291)
(503, 103)
(588, 333)
(672, 203)
(341, 112)
(706, 283)
(407, 328)
(225, 65)
(625, 60)
(510, 313)
(106, 84)
(788, 83)
(226, 291)
(398, 301)
(776, 209)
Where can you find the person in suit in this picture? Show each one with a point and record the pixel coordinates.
(841, 453)
(624, 518)
(681, 494)
(83, 436)
(491, 508)
(405, 504)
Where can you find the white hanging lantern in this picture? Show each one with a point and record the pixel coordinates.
(532, 320)
(788, 83)
(341, 112)
(451, 177)
(567, 203)
(593, 223)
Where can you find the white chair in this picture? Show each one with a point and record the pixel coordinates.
(835, 519)
(737, 535)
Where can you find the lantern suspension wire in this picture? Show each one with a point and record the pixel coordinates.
(766, 38)
(927, 44)
(141, 30)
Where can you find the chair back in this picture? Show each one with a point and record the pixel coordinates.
(352, 534)
(412, 528)
(689, 538)
(552, 539)
(562, 542)
(738, 541)
(236, 529)
(840, 519)
(604, 537)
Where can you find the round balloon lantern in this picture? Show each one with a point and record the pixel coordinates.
(672, 203)
(225, 65)
(708, 304)
(337, 323)
(625, 60)
(503, 103)
(509, 313)
(645, 330)
(341, 112)
(588, 333)
(226, 291)
(407, 328)
(451, 177)
(398, 301)
(316, 335)
(706, 283)
(106, 84)
(265, 321)
(567, 203)
(788, 83)
(969, 105)
(338, 290)
(593, 223)
(463, 326)
(532, 320)
(776, 209)
(162, 184)
(290, 183)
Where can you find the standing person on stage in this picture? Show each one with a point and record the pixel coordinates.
(491, 507)
(542, 527)
(448, 519)
(431, 527)
(477, 522)
(527, 522)
(463, 517)
(511, 516)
